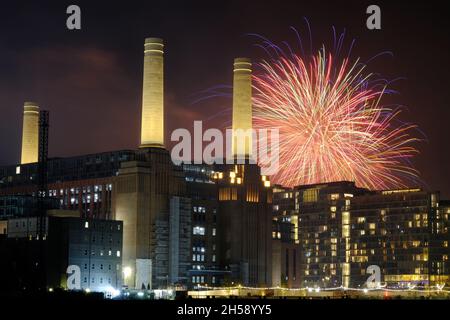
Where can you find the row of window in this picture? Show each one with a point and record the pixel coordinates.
(198, 257)
(84, 199)
(86, 226)
(99, 266)
(102, 253)
(93, 280)
(198, 279)
(201, 231)
(201, 258)
(201, 279)
(88, 189)
(101, 239)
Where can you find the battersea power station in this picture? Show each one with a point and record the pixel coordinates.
(134, 220)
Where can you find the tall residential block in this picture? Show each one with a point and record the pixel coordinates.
(152, 130)
(30, 133)
(242, 108)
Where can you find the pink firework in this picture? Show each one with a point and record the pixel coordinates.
(332, 124)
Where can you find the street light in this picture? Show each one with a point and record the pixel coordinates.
(127, 271)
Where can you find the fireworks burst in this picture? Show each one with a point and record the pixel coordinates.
(332, 124)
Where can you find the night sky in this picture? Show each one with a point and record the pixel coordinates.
(91, 80)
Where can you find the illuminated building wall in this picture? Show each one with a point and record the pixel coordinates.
(143, 192)
(245, 221)
(152, 126)
(242, 107)
(30, 133)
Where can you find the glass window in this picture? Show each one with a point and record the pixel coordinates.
(197, 230)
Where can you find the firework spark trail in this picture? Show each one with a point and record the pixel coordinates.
(332, 125)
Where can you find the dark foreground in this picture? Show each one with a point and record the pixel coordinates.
(71, 305)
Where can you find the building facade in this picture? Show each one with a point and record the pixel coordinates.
(202, 190)
(344, 229)
(93, 246)
(285, 244)
(245, 220)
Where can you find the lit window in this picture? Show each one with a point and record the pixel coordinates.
(18, 170)
(86, 225)
(199, 231)
(214, 231)
(310, 195)
(118, 253)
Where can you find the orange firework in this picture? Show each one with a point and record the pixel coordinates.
(332, 124)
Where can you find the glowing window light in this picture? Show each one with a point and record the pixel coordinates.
(127, 271)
